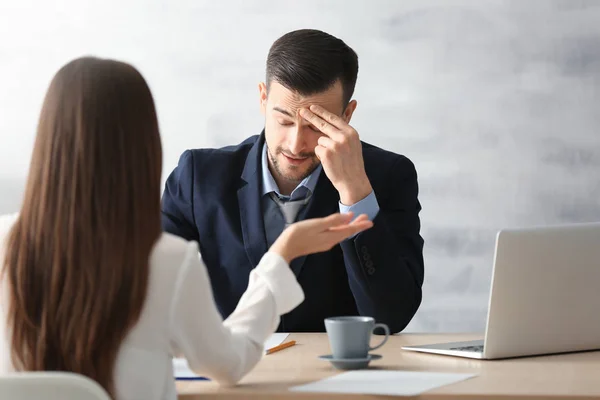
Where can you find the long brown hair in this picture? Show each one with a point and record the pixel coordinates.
(77, 257)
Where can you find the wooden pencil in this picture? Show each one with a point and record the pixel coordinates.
(281, 346)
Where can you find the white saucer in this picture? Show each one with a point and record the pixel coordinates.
(350, 363)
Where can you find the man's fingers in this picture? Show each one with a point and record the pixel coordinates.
(327, 142)
(321, 152)
(329, 117)
(335, 120)
(321, 124)
(325, 148)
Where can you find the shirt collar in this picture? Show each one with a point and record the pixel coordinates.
(269, 185)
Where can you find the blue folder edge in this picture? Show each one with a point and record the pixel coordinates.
(200, 378)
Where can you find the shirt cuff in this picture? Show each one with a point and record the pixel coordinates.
(368, 205)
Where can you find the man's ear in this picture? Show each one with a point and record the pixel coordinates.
(349, 111)
(262, 96)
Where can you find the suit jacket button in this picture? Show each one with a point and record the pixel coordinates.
(365, 254)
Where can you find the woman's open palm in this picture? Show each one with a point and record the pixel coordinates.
(318, 234)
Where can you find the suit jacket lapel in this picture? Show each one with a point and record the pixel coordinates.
(323, 202)
(249, 199)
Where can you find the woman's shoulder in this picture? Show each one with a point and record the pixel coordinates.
(169, 264)
(172, 252)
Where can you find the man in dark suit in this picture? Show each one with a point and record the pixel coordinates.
(308, 162)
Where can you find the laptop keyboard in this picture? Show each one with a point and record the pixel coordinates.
(476, 349)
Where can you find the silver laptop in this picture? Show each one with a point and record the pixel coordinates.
(545, 295)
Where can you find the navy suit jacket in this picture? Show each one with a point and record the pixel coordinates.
(213, 197)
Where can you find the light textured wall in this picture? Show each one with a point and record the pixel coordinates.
(496, 102)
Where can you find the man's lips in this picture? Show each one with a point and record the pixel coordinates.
(295, 161)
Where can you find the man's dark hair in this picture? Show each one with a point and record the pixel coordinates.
(309, 61)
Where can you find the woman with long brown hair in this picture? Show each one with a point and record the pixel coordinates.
(89, 283)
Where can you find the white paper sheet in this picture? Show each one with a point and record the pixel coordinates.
(181, 369)
(275, 340)
(391, 383)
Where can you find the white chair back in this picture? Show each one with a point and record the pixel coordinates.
(50, 386)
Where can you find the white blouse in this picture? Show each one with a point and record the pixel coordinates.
(180, 318)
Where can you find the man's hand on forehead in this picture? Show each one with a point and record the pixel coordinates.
(340, 152)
